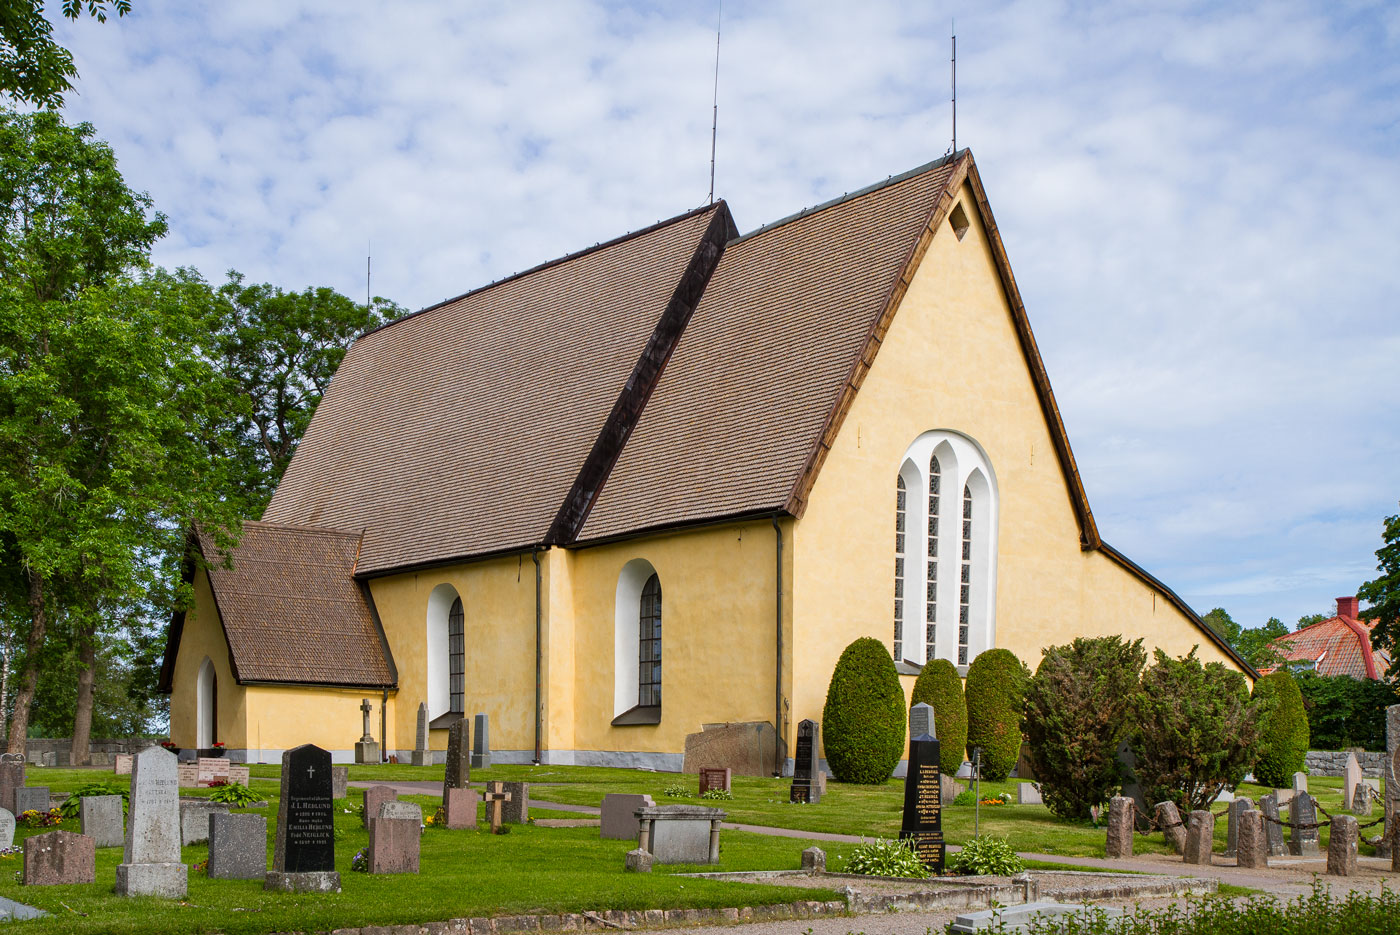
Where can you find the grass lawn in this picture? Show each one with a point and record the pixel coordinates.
(464, 873)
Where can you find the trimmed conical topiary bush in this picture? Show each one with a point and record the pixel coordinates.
(996, 693)
(940, 686)
(863, 720)
(1284, 733)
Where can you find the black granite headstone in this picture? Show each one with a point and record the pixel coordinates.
(923, 803)
(305, 817)
(459, 755)
(805, 787)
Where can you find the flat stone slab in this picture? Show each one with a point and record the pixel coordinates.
(1019, 918)
(314, 881)
(11, 910)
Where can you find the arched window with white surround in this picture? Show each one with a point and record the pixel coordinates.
(945, 534)
(456, 659)
(637, 645)
(649, 644)
(206, 706)
(446, 653)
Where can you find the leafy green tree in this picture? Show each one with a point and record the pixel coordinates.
(111, 417)
(863, 718)
(1078, 712)
(996, 699)
(1345, 712)
(1253, 643)
(1308, 620)
(1195, 732)
(1283, 729)
(280, 349)
(940, 687)
(1223, 625)
(1383, 594)
(33, 68)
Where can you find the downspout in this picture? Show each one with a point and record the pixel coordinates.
(539, 658)
(778, 621)
(384, 726)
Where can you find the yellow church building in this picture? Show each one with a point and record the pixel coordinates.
(662, 483)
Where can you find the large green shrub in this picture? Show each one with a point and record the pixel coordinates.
(996, 694)
(1283, 730)
(1078, 710)
(863, 720)
(1195, 731)
(940, 687)
(1345, 712)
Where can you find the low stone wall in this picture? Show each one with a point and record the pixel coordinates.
(1332, 762)
(54, 751)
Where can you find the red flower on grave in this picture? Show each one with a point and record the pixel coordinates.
(218, 744)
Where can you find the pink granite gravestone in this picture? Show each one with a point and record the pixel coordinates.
(59, 858)
(376, 796)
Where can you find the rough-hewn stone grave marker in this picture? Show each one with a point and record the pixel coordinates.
(1273, 831)
(420, 743)
(618, 820)
(1200, 834)
(1232, 824)
(151, 857)
(481, 742)
(458, 802)
(1303, 840)
(806, 785)
(59, 858)
(516, 809)
(1342, 846)
(714, 777)
(922, 821)
(1169, 820)
(304, 857)
(1251, 844)
(100, 818)
(237, 846)
(11, 778)
(340, 781)
(1119, 842)
(376, 796)
(394, 838)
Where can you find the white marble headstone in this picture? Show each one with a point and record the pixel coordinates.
(153, 824)
(7, 828)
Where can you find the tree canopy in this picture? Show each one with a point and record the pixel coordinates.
(1383, 594)
(34, 69)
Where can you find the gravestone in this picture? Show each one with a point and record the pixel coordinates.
(187, 775)
(481, 742)
(748, 748)
(394, 841)
(1127, 762)
(806, 786)
(951, 788)
(210, 770)
(1169, 820)
(495, 798)
(151, 856)
(1351, 778)
(618, 820)
(638, 861)
(922, 820)
(304, 857)
(516, 809)
(237, 846)
(340, 781)
(59, 858)
(1342, 845)
(921, 721)
(714, 777)
(7, 829)
(238, 774)
(1200, 834)
(1251, 844)
(459, 808)
(1303, 841)
(194, 819)
(1392, 785)
(121, 764)
(680, 834)
(1361, 800)
(814, 860)
(11, 778)
(1028, 793)
(366, 749)
(420, 743)
(32, 799)
(1273, 831)
(1022, 917)
(1283, 796)
(100, 818)
(374, 797)
(1300, 782)
(1119, 843)
(1232, 823)
(399, 809)
(459, 760)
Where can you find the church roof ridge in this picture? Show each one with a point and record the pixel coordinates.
(717, 204)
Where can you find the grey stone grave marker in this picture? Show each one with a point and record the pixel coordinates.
(1342, 846)
(1232, 824)
(1273, 831)
(1361, 800)
(1303, 842)
(59, 858)
(1028, 793)
(814, 859)
(11, 778)
(459, 761)
(1251, 844)
(618, 820)
(151, 856)
(1351, 778)
(1200, 834)
(680, 834)
(516, 810)
(1300, 782)
(304, 857)
(32, 798)
(1131, 787)
(366, 748)
(7, 829)
(340, 781)
(1019, 918)
(806, 786)
(481, 742)
(237, 846)
(921, 721)
(194, 819)
(1119, 843)
(1169, 820)
(402, 810)
(420, 744)
(100, 818)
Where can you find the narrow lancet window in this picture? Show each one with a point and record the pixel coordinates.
(931, 598)
(649, 632)
(456, 660)
(899, 508)
(965, 589)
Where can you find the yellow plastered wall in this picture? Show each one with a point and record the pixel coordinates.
(951, 360)
(281, 717)
(203, 636)
(498, 604)
(719, 633)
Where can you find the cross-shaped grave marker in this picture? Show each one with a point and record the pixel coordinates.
(495, 798)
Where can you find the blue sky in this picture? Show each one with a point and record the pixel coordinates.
(1201, 202)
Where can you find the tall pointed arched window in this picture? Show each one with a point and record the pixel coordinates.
(899, 508)
(931, 577)
(456, 660)
(649, 636)
(965, 587)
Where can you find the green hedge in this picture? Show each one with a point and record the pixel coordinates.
(996, 693)
(940, 686)
(1345, 712)
(863, 720)
(1283, 730)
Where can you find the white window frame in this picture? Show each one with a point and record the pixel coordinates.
(439, 697)
(627, 630)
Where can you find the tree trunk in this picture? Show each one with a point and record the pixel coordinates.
(81, 753)
(4, 690)
(29, 677)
